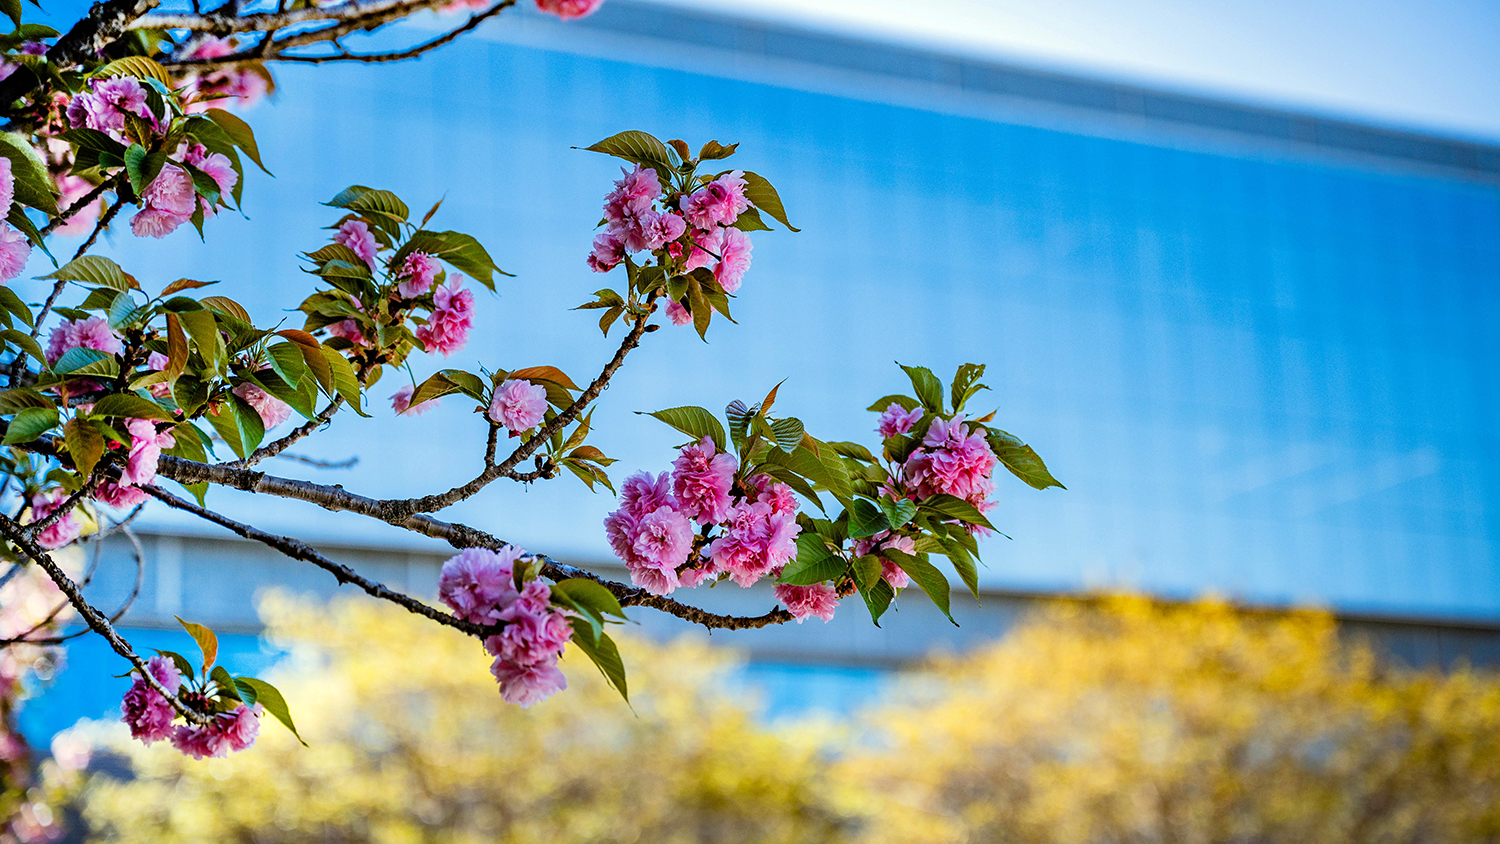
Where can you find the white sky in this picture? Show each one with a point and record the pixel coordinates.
(1432, 65)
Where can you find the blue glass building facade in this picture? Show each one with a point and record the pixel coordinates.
(1258, 347)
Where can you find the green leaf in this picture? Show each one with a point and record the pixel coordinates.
(763, 196)
(906, 403)
(85, 444)
(122, 310)
(866, 520)
(203, 327)
(956, 508)
(639, 148)
(605, 655)
(750, 221)
(788, 433)
(239, 132)
(965, 384)
(897, 513)
(814, 563)
(963, 563)
(929, 388)
(739, 421)
(259, 691)
(12, 10)
(238, 424)
(344, 380)
(369, 201)
(301, 401)
(208, 643)
(588, 593)
(24, 342)
(925, 575)
(462, 251)
(138, 66)
(226, 684)
(81, 361)
(34, 186)
(30, 424)
(693, 421)
(128, 406)
(830, 474)
(93, 270)
(877, 595)
(11, 302)
(1021, 460)
(287, 361)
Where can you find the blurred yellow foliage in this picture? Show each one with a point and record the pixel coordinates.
(410, 742)
(1116, 721)
(1128, 720)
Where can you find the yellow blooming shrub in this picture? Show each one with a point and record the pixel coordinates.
(408, 741)
(1126, 720)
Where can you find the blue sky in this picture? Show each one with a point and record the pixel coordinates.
(1431, 65)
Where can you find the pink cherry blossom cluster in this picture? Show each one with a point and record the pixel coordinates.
(87, 333)
(748, 529)
(15, 251)
(60, 532)
(696, 231)
(518, 406)
(242, 86)
(150, 717)
(107, 102)
(171, 200)
(952, 461)
(451, 309)
(483, 587)
(146, 445)
(271, 410)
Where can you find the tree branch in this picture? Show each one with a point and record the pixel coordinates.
(456, 534)
(93, 617)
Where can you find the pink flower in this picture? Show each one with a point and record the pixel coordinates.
(951, 462)
(349, 330)
(476, 582)
(757, 541)
(657, 230)
(106, 103)
(158, 362)
(144, 709)
(662, 541)
(15, 251)
(734, 259)
(119, 497)
(355, 234)
(145, 449)
(91, 333)
(169, 201)
(230, 85)
(893, 574)
(524, 685)
(226, 731)
(608, 251)
(214, 165)
(898, 420)
(519, 406)
(569, 9)
(7, 187)
(401, 402)
(820, 599)
(527, 647)
(705, 249)
(677, 313)
(417, 273)
(769, 491)
(719, 202)
(273, 411)
(701, 479)
(632, 196)
(60, 532)
(447, 330)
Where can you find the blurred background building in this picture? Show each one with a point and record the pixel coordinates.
(1257, 345)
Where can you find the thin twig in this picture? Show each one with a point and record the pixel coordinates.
(347, 463)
